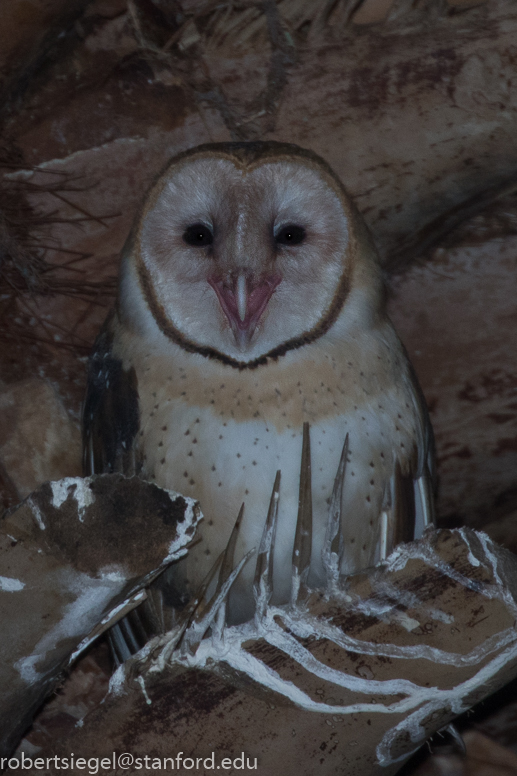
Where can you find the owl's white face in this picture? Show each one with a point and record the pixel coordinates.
(241, 261)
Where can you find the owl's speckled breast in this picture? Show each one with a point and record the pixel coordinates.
(220, 435)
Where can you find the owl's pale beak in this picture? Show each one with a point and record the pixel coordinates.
(243, 298)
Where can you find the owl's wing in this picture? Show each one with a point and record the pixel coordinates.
(409, 500)
(111, 421)
(111, 416)
(425, 474)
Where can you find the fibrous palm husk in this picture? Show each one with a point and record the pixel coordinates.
(359, 674)
(355, 681)
(67, 572)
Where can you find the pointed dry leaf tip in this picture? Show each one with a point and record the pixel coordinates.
(303, 538)
(456, 736)
(226, 569)
(263, 583)
(201, 601)
(334, 543)
(384, 534)
(194, 609)
(426, 497)
(386, 522)
(162, 647)
(200, 625)
(229, 553)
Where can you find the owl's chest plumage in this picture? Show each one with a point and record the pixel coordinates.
(220, 435)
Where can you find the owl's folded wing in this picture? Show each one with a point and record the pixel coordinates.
(111, 416)
(414, 494)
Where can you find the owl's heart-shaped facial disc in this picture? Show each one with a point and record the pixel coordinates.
(243, 258)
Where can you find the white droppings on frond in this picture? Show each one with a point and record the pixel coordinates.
(10, 585)
(77, 487)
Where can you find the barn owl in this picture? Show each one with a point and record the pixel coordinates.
(251, 302)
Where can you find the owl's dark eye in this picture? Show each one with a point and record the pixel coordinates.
(198, 234)
(290, 235)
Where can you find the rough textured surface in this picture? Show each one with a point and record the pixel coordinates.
(457, 318)
(38, 439)
(68, 570)
(420, 640)
(28, 30)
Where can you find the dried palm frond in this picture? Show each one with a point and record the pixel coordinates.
(33, 264)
